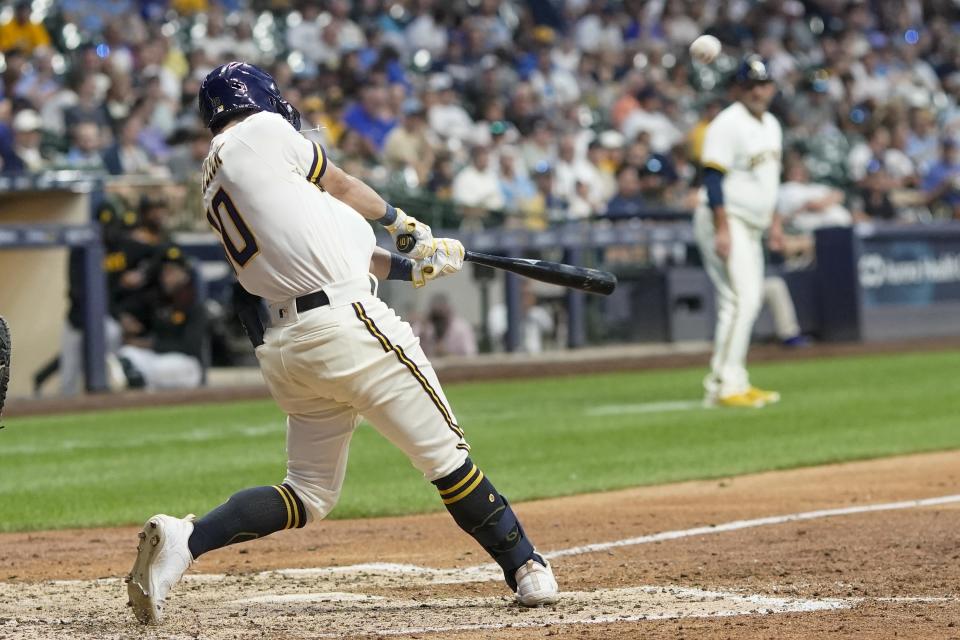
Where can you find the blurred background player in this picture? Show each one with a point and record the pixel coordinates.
(741, 160)
(170, 324)
(806, 206)
(443, 332)
(536, 326)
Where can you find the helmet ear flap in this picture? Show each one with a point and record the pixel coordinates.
(294, 116)
(289, 112)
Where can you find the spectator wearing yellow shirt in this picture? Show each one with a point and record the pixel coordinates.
(190, 7)
(20, 32)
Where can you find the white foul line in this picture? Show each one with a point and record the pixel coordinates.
(645, 407)
(491, 572)
(737, 525)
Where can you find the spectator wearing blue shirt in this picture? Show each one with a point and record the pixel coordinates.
(942, 182)
(518, 189)
(85, 152)
(9, 163)
(628, 201)
(88, 107)
(371, 117)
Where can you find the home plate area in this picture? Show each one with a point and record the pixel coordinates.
(355, 601)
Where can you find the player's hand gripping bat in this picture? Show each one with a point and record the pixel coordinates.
(565, 275)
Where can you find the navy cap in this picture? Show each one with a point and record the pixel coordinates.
(752, 69)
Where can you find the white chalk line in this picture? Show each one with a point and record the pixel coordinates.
(491, 572)
(738, 525)
(644, 407)
(203, 434)
(576, 607)
(678, 592)
(328, 596)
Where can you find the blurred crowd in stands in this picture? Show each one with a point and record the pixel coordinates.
(479, 113)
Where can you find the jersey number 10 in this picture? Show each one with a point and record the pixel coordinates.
(239, 255)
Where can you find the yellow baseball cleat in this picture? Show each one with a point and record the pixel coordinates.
(745, 399)
(767, 397)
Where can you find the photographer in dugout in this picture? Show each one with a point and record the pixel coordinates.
(167, 351)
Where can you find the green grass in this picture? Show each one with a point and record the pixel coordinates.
(534, 438)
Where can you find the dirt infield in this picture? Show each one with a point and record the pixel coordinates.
(835, 551)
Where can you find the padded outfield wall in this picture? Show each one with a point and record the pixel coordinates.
(39, 222)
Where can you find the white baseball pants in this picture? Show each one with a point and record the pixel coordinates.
(777, 296)
(164, 370)
(71, 354)
(739, 285)
(328, 366)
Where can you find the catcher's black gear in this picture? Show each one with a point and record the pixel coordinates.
(5, 349)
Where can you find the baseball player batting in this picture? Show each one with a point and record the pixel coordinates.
(741, 160)
(294, 227)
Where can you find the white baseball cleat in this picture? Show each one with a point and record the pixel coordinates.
(536, 584)
(163, 556)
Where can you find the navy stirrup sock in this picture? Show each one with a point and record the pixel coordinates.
(247, 515)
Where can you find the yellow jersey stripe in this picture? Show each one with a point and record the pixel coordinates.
(293, 503)
(286, 503)
(319, 165)
(409, 364)
(323, 162)
(463, 494)
(462, 482)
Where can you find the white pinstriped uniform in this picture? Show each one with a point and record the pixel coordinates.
(327, 366)
(748, 150)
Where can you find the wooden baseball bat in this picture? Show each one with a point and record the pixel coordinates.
(565, 275)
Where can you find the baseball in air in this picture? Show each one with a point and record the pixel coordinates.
(705, 49)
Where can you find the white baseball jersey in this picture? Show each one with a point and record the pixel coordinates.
(747, 150)
(283, 234)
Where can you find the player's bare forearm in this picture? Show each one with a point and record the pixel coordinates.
(414, 236)
(775, 237)
(833, 198)
(380, 263)
(719, 217)
(721, 232)
(353, 191)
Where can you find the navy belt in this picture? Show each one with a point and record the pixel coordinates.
(312, 301)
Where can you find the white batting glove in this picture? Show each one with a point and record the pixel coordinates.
(446, 259)
(407, 228)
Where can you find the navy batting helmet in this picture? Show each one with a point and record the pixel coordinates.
(237, 87)
(752, 69)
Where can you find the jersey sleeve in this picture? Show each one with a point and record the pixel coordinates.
(719, 145)
(310, 157)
